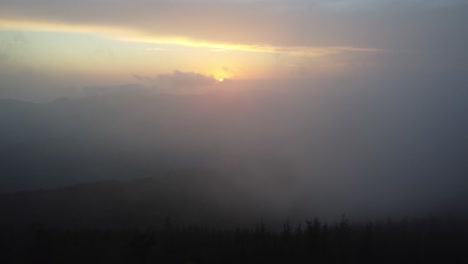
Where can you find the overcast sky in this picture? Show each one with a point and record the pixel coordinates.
(61, 45)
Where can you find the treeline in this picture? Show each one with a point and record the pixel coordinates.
(415, 241)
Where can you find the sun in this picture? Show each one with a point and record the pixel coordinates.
(220, 79)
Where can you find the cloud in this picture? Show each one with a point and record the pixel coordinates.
(155, 49)
(177, 81)
(326, 150)
(3, 57)
(280, 23)
(295, 27)
(323, 38)
(133, 35)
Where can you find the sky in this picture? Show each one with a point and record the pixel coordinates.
(312, 106)
(58, 46)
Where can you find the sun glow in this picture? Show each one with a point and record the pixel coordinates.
(116, 52)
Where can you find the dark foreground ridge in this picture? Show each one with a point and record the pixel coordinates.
(416, 241)
(158, 221)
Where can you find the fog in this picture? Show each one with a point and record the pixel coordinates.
(367, 148)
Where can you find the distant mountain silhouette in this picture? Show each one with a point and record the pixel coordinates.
(187, 197)
(69, 141)
(367, 151)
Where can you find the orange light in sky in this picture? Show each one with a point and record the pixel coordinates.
(125, 52)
